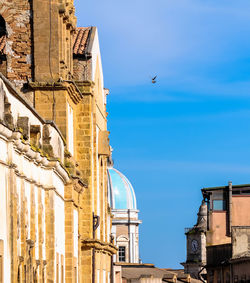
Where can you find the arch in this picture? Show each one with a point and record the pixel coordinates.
(122, 238)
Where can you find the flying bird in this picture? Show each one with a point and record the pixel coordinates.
(154, 80)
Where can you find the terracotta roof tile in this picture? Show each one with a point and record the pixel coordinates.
(80, 40)
(2, 44)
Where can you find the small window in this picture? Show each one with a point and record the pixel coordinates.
(70, 126)
(122, 254)
(218, 204)
(246, 192)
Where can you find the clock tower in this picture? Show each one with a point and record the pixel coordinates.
(196, 245)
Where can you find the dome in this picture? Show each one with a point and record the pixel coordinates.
(121, 192)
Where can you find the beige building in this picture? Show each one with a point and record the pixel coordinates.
(222, 236)
(54, 147)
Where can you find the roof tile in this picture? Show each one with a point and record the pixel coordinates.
(80, 40)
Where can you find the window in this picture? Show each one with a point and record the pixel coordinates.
(122, 254)
(70, 129)
(2, 26)
(218, 204)
(3, 34)
(25, 274)
(18, 275)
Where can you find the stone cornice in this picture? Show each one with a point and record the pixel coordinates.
(72, 89)
(99, 246)
(86, 87)
(26, 150)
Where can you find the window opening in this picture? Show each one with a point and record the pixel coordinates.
(3, 30)
(122, 254)
(218, 204)
(3, 33)
(25, 274)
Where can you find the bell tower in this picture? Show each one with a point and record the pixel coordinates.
(196, 245)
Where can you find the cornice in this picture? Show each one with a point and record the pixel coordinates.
(70, 86)
(26, 150)
(99, 246)
(86, 87)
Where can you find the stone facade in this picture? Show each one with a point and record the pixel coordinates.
(196, 245)
(54, 119)
(37, 190)
(18, 50)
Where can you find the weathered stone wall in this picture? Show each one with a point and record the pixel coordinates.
(17, 15)
(240, 241)
(82, 69)
(54, 25)
(3, 66)
(39, 51)
(38, 42)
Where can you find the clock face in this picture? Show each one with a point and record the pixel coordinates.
(194, 245)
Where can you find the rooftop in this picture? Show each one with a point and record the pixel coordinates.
(80, 41)
(225, 187)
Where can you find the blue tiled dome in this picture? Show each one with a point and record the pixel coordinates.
(121, 192)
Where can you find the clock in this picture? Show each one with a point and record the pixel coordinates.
(194, 245)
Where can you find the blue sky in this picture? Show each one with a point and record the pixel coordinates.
(192, 128)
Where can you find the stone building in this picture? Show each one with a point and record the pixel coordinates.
(227, 234)
(196, 245)
(54, 147)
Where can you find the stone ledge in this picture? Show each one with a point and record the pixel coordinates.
(99, 246)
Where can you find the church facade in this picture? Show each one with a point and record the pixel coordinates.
(54, 147)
